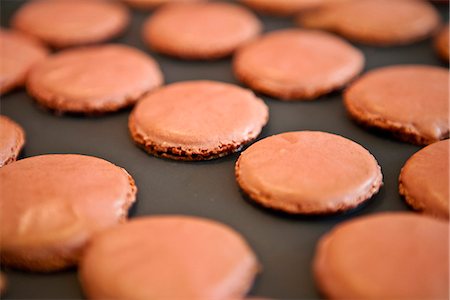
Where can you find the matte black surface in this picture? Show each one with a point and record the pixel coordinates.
(284, 244)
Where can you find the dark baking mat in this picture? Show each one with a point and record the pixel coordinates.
(284, 244)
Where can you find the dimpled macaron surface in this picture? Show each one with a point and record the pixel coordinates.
(51, 205)
(284, 245)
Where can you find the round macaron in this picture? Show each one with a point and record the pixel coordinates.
(409, 101)
(150, 4)
(380, 22)
(12, 140)
(19, 54)
(93, 80)
(178, 257)
(308, 172)
(197, 120)
(296, 64)
(200, 30)
(281, 7)
(384, 256)
(65, 23)
(424, 180)
(51, 205)
(441, 43)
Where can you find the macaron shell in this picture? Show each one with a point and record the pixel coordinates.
(424, 180)
(96, 79)
(150, 4)
(168, 257)
(200, 30)
(282, 7)
(51, 205)
(66, 23)
(296, 64)
(3, 284)
(12, 140)
(410, 101)
(441, 43)
(308, 172)
(384, 256)
(19, 54)
(380, 22)
(197, 120)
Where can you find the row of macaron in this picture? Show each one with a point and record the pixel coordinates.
(62, 210)
(201, 30)
(181, 31)
(139, 289)
(410, 101)
(170, 121)
(293, 64)
(217, 29)
(294, 172)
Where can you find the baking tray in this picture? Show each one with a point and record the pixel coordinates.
(284, 244)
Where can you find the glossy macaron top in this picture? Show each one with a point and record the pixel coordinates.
(198, 117)
(50, 206)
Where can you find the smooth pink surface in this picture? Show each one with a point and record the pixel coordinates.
(63, 23)
(425, 179)
(19, 54)
(298, 63)
(200, 30)
(385, 256)
(415, 97)
(199, 115)
(168, 257)
(94, 77)
(379, 22)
